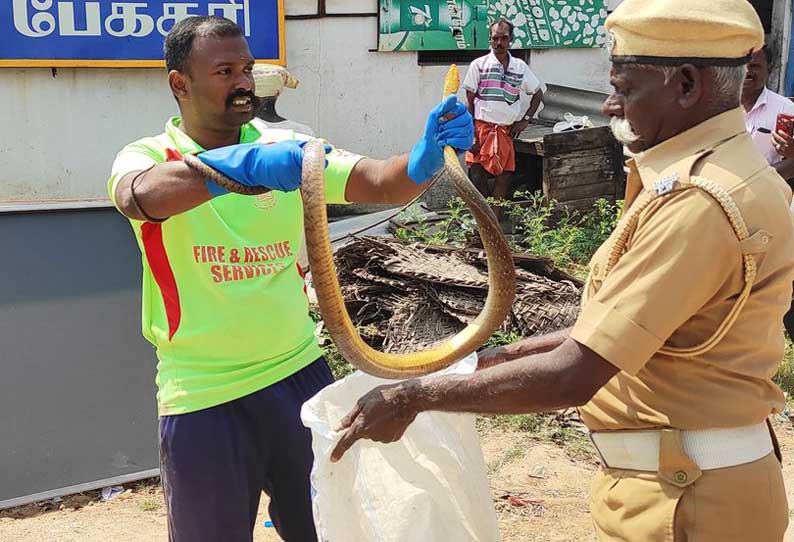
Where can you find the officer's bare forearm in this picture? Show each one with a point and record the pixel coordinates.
(564, 377)
(382, 181)
(531, 345)
(165, 190)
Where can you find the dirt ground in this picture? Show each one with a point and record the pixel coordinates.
(540, 493)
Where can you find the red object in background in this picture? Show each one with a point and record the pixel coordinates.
(785, 124)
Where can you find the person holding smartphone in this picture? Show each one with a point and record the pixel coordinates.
(765, 115)
(765, 119)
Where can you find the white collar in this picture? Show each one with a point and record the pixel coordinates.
(494, 59)
(762, 100)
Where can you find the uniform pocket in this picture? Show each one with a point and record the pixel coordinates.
(630, 506)
(735, 504)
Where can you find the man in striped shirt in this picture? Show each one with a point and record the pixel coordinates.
(498, 87)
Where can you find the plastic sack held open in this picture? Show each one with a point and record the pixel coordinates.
(431, 486)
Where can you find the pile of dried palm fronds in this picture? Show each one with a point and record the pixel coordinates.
(408, 296)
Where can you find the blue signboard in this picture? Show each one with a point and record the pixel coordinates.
(106, 33)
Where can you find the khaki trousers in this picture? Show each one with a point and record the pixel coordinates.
(681, 503)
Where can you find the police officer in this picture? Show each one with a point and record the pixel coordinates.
(679, 335)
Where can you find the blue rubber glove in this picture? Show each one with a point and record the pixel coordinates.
(427, 156)
(277, 166)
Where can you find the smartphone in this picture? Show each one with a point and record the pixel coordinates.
(785, 124)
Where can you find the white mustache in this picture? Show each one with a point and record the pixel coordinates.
(622, 131)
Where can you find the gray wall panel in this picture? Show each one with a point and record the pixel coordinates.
(77, 394)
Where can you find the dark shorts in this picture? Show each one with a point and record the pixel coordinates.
(215, 463)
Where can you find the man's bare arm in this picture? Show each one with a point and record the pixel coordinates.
(401, 178)
(534, 104)
(165, 190)
(470, 101)
(381, 181)
(490, 357)
(564, 377)
(567, 376)
(521, 124)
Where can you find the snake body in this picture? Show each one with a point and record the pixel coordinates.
(501, 271)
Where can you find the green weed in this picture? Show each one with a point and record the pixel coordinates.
(151, 505)
(541, 226)
(785, 373)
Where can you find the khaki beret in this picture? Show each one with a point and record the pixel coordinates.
(670, 32)
(271, 79)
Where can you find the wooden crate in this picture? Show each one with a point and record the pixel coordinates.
(579, 167)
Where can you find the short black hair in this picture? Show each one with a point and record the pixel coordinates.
(179, 41)
(502, 21)
(770, 56)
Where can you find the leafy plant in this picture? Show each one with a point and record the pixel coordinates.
(542, 227)
(151, 505)
(500, 338)
(785, 373)
(457, 225)
(339, 366)
(569, 238)
(595, 227)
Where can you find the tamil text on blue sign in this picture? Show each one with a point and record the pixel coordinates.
(104, 33)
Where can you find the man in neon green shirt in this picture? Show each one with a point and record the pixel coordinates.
(223, 297)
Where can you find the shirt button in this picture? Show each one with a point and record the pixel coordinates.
(765, 239)
(680, 477)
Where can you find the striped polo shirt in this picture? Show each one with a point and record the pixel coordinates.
(499, 92)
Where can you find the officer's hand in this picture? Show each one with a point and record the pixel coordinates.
(449, 123)
(784, 144)
(381, 415)
(276, 166)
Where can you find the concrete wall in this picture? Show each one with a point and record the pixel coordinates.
(369, 102)
(62, 128)
(60, 133)
(780, 39)
(585, 69)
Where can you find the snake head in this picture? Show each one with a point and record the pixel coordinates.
(451, 81)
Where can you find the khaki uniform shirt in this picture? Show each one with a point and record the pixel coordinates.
(678, 278)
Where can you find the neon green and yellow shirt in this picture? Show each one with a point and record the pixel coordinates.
(224, 299)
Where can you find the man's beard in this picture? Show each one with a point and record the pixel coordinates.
(622, 131)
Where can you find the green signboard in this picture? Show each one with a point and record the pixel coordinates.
(441, 25)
